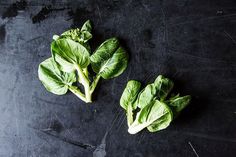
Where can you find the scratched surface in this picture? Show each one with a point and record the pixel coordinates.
(192, 42)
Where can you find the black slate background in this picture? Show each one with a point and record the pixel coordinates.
(192, 42)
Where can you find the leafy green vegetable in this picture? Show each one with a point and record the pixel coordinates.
(79, 35)
(164, 86)
(150, 114)
(161, 123)
(128, 98)
(82, 35)
(159, 89)
(109, 60)
(53, 79)
(178, 103)
(130, 94)
(147, 95)
(152, 109)
(71, 53)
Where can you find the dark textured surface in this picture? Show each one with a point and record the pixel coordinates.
(190, 41)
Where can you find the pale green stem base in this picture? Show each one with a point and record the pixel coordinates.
(85, 82)
(94, 84)
(136, 127)
(85, 71)
(78, 93)
(129, 113)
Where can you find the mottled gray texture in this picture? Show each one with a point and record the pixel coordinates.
(193, 42)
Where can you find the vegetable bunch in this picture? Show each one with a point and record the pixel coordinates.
(71, 57)
(153, 108)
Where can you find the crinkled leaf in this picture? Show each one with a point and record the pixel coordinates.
(128, 99)
(159, 89)
(67, 53)
(153, 111)
(147, 95)
(76, 35)
(161, 123)
(87, 26)
(130, 94)
(177, 103)
(109, 60)
(79, 35)
(149, 114)
(164, 86)
(105, 50)
(53, 79)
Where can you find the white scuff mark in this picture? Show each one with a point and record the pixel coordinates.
(99, 13)
(100, 151)
(230, 37)
(193, 149)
